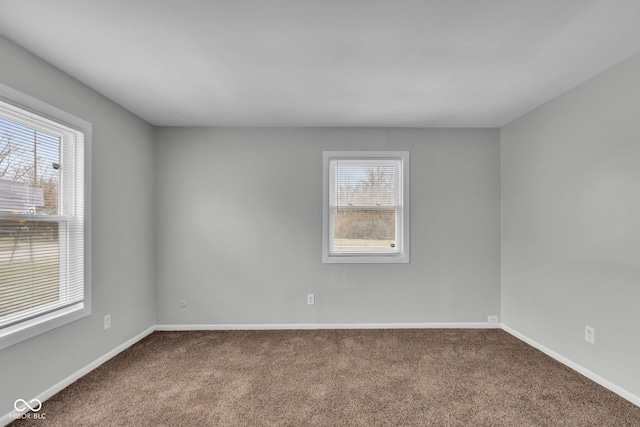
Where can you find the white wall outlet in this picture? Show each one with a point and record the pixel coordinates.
(107, 321)
(311, 299)
(589, 334)
(493, 319)
(182, 303)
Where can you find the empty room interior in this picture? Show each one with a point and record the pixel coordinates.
(336, 213)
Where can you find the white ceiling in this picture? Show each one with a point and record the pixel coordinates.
(415, 63)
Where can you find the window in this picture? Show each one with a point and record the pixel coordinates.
(366, 207)
(44, 280)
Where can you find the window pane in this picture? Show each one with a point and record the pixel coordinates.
(29, 169)
(29, 265)
(364, 231)
(365, 182)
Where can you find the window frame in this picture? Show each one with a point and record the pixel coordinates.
(402, 222)
(31, 327)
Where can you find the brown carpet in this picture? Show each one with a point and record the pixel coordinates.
(434, 377)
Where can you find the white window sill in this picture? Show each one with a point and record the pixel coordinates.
(22, 331)
(366, 259)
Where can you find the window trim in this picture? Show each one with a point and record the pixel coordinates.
(403, 256)
(24, 330)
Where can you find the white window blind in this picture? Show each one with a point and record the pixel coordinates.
(41, 216)
(365, 218)
(365, 203)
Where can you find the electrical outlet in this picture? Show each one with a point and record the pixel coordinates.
(311, 299)
(107, 321)
(589, 334)
(493, 319)
(182, 303)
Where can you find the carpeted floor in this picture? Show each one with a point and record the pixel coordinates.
(433, 377)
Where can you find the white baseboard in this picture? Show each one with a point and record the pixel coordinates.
(7, 418)
(288, 326)
(580, 369)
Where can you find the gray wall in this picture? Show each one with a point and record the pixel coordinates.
(240, 217)
(122, 247)
(571, 224)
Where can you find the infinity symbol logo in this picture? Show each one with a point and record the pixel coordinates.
(34, 408)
